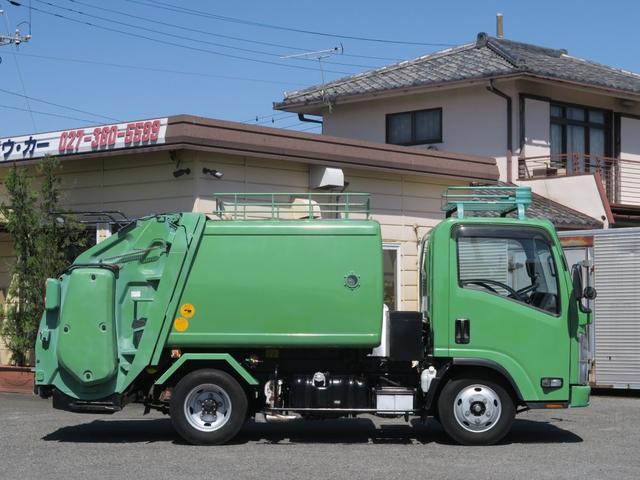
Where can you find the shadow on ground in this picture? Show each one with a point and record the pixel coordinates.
(339, 431)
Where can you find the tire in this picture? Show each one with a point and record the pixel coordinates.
(208, 407)
(475, 411)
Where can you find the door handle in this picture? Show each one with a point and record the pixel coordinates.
(463, 330)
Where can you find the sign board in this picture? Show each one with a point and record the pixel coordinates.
(84, 140)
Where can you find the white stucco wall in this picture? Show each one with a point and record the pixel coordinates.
(536, 132)
(579, 192)
(629, 154)
(474, 120)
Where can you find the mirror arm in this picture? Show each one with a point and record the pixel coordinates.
(584, 309)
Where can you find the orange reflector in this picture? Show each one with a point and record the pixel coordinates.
(553, 405)
(176, 353)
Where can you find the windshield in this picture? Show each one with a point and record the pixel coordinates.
(513, 265)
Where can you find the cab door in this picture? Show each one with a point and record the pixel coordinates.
(506, 305)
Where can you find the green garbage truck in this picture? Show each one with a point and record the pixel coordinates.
(275, 309)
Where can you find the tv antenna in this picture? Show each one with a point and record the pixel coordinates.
(320, 55)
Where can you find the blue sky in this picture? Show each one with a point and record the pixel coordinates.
(65, 62)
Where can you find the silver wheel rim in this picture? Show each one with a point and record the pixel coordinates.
(207, 407)
(477, 408)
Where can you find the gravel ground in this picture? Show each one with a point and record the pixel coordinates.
(599, 442)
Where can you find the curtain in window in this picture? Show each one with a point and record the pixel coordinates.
(427, 126)
(399, 126)
(575, 149)
(557, 161)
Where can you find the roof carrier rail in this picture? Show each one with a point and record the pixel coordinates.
(292, 206)
(502, 200)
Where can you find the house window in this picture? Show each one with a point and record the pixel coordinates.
(415, 128)
(579, 137)
(391, 271)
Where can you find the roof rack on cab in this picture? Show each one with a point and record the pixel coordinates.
(292, 206)
(502, 200)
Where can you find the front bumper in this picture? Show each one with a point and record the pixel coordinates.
(580, 395)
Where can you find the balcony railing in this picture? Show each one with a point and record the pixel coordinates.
(620, 177)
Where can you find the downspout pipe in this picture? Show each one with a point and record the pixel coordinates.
(302, 118)
(495, 91)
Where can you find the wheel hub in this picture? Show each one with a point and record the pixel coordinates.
(477, 408)
(207, 407)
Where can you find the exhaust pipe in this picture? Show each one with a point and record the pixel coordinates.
(277, 417)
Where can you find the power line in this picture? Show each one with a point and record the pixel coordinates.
(317, 125)
(182, 27)
(200, 13)
(267, 122)
(258, 118)
(272, 120)
(164, 42)
(155, 69)
(294, 125)
(90, 122)
(57, 105)
(231, 37)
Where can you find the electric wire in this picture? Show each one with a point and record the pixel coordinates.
(156, 69)
(231, 37)
(90, 122)
(183, 37)
(317, 125)
(258, 118)
(174, 44)
(39, 100)
(182, 27)
(273, 120)
(294, 125)
(194, 12)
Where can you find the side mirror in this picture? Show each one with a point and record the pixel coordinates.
(589, 293)
(576, 276)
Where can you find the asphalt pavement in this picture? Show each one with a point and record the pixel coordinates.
(37, 442)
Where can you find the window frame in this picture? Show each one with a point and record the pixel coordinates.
(396, 247)
(563, 121)
(509, 232)
(413, 140)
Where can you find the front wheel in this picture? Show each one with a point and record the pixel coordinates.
(475, 411)
(208, 407)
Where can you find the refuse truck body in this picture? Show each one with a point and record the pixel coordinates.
(217, 319)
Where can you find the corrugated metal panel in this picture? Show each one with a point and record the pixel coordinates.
(617, 308)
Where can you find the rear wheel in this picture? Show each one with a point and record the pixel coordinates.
(475, 411)
(208, 407)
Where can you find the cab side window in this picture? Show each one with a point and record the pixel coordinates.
(519, 268)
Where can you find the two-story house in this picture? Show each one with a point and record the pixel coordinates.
(568, 127)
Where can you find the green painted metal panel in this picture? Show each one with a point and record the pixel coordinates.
(580, 396)
(527, 342)
(150, 259)
(87, 341)
(195, 357)
(52, 297)
(284, 284)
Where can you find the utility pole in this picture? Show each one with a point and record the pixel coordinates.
(17, 38)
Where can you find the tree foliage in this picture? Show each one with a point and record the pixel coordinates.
(43, 238)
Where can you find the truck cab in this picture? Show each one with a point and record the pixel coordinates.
(290, 321)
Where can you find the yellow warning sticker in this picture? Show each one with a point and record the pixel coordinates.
(187, 310)
(180, 324)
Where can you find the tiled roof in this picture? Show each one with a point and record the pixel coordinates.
(487, 58)
(562, 217)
